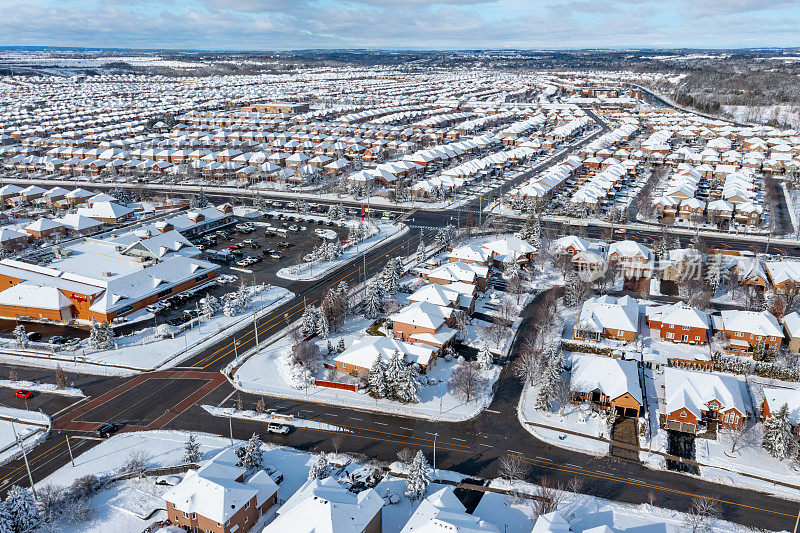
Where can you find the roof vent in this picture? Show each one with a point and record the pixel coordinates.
(107, 274)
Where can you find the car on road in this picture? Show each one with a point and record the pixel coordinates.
(57, 339)
(280, 429)
(106, 430)
(276, 255)
(34, 336)
(23, 394)
(284, 244)
(620, 231)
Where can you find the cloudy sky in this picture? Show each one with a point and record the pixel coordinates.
(409, 24)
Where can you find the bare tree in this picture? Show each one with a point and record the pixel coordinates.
(406, 455)
(494, 332)
(512, 467)
(508, 309)
(260, 406)
(561, 395)
(467, 381)
(392, 306)
(307, 354)
(701, 515)
(239, 405)
(337, 441)
(515, 286)
(135, 463)
(530, 364)
(61, 378)
(547, 499)
(742, 436)
(458, 321)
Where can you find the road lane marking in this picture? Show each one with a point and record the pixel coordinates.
(382, 423)
(70, 406)
(407, 429)
(492, 411)
(354, 418)
(228, 397)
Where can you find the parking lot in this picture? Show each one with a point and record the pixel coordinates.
(271, 242)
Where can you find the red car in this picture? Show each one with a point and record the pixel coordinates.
(24, 394)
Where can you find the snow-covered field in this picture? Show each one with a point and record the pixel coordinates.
(30, 426)
(317, 270)
(143, 350)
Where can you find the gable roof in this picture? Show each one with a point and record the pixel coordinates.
(613, 377)
(679, 314)
(755, 322)
(363, 352)
(599, 313)
(694, 390)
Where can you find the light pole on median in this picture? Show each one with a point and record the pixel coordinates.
(25, 458)
(434, 452)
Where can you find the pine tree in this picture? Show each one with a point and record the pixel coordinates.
(714, 272)
(309, 319)
(485, 358)
(391, 280)
(778, 439)
(399, 269)
(6, 526)
(108, 335)
(377, 379)
(191, 451)
(207, 307)
(421, 255)
(394, 374)
(21, 509)
(321, 468)
(229, 309)
(253, 455)
(407, 387)
(571, 289)
(373, 304)
(322, 326)
(419, 477)
(20, 336)
(340, 346)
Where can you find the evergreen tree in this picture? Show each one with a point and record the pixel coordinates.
(309, 321)
(373, 303)
(390, 279)
(571, 289)
(199, 201)
(485, 358)
(778, 438)
(340, 346)
(321, 468)
(394, 374)
(208, 306)
(377, 378)
(421, 255)
(253, 456)
(21, 509)
(21, 337)
(191, 450)
(6, 526)
(322, 326)
(108, 335)
(419, 477)
(407, 387)
(714, 272)
(229, 309)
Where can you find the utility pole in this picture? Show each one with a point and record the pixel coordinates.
(230, 427)
(434, 451)
(255, 328)
(25, 457)
(71, 458)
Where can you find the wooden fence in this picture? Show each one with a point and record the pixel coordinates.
(336, 385)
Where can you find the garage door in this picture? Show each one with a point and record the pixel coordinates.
(688, 428)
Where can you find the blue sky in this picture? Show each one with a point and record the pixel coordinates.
(415, 24)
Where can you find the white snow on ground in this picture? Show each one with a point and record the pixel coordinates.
(308, 271)
(577, 418)
(50, 388)
(142, 350)
(30, 426)
(288, 420)
(268, 373)
(121, 502)
(584, 512)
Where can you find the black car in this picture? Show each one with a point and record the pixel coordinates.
(106, 430)
(57, 339)
(34, 336)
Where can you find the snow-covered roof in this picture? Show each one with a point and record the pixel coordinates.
(782, 271)
(695, 390)
(599, 313)
(215, 491)
(105, 210)
(43, 224)
(755, 322)
(79, 222)
(613, 377)
(776, 397)
(325, 506)
(363, 352)
(26, 294)
(513, 246)
(458, 271)
(470, 252)
(629, 249)
(679, 314)
(552, 522)
(442, 512)
(436, 294)
(423, 314)
(792, 324)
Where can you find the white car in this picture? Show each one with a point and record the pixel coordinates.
(280, 429)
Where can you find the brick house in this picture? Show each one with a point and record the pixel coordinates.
(609, 317)
(746, 329)
(459, 272)
(424, 322)
(679, 322)
(220, 497)
(697, 399)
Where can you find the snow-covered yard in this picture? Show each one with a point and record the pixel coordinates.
(30, 426)
(269, 372)
(380, 233)
(147, 349)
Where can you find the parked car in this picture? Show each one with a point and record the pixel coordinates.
(34, 336)
(284, 244)
(280, 429)
(106, 430)
(23, 394)
(276, 255)
(57, 339)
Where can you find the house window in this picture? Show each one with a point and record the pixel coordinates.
(247, 505)
(670, 335)
(697, 338)
(194, 516)
(739, 334)
(683, 414)
(165, 292)
(685, 328)
(772, 338)
(684, 338)
(185, 514)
